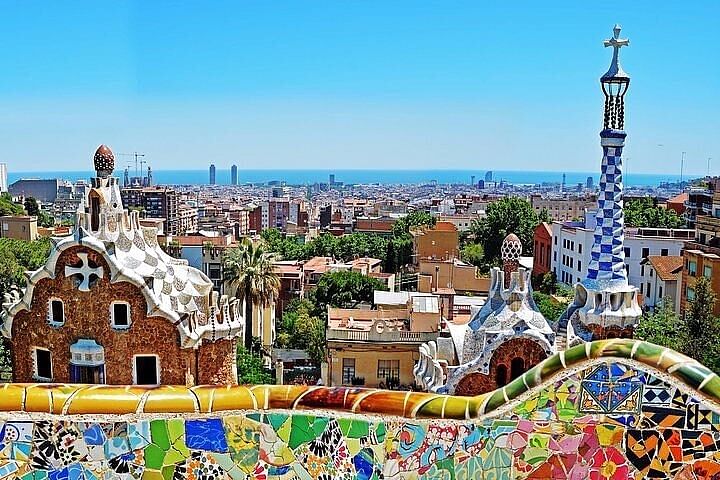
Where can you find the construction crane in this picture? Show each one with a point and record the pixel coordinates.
(136, 155)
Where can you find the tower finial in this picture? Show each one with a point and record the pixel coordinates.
(615, 83)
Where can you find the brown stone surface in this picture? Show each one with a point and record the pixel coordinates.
(477, 383)
(87, 315)
(214, 367)
(602, 333)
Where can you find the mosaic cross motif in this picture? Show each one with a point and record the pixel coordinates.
(85, 270)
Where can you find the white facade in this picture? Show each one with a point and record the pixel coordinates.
(572, 243)
(3, 178)
(654, 289)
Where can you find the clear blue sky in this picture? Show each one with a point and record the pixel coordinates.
(365, 84)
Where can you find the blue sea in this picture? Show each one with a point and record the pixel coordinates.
(305, 177)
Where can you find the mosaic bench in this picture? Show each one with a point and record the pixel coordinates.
(611, 409)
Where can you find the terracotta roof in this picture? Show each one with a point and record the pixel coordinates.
(667, 268)
(445, 227)
(682, 198)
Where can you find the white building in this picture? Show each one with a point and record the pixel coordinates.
(661, 278)
(572, 243)
(3, 178)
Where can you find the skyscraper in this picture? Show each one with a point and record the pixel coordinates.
(589, 183)
(332, 179)
(233, 175)
(3, 178)
(212, 174)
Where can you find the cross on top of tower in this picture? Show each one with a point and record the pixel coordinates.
(615, 72)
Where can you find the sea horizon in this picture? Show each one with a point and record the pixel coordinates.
(359, 176)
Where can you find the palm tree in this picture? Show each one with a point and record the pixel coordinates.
(248, 271)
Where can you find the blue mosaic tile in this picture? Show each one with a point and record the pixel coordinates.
(208, 435)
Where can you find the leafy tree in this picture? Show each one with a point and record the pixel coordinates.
(703, 328)
(412, 220)
(344, 290)
(250, 368)
(248, 270)
(548, 283)
(8, 207)
(663, 327)
(644, 212)
(473, 253)
(17, 256)
(544, 216)
(550, 307)
(31, 206)
(507, 215)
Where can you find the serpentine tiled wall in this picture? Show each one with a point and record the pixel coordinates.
(612, 409)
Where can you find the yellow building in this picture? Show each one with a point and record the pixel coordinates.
(20, 227)
(377, 348)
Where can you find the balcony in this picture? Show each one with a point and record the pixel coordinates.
(372, 336)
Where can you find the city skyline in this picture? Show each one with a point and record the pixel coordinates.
(323, 86)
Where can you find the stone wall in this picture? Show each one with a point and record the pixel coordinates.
(213, 365)
(476, 383)
(87, 315)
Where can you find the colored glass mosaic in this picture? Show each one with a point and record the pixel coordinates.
(618, 413)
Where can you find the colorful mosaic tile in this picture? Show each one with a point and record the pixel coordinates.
(609, 419)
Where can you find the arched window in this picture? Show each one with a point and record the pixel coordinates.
(501, 375)
(517, 367)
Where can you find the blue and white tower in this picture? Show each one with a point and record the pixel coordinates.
(605, 305)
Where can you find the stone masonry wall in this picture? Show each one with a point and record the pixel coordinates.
(214, 367)
(476, 383)
(87, 315)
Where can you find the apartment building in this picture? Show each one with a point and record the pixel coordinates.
(572, 243)
(379, 348)
(563, 209)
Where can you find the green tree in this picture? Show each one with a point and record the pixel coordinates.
(473, 253)
(17, 256)
(550, 307)
(643, 212)
(507, 215)
(702, 326)
(343, 289)
(548, 283)
(8, 207)
(248, 271)
(663, 327)
(31, 206)
(250, 368)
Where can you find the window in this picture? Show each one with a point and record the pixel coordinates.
(627, 252)
(43, 364)
(348, 371)
(690, 293)
(517, 367)
(388, 369)
(707, 271)
(660, 292)
(664, 252)
(648, 289)
(692, 268)
(146, 370)
(579, 266)
(501, 375)
(56, 311)
(651, 273)
(642, 271)
(645, 252)
(120, 314)
(579, 247)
